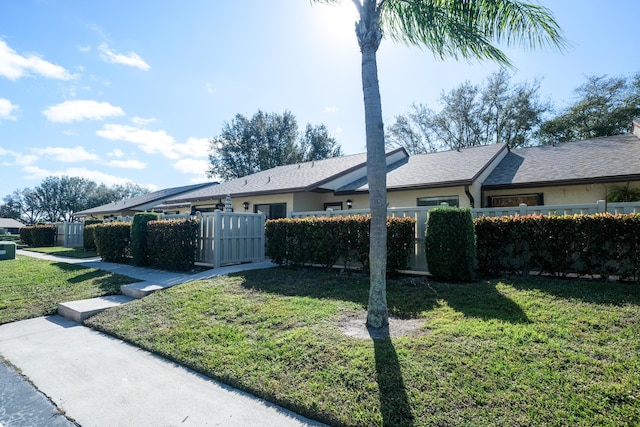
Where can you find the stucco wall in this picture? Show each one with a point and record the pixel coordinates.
(569, 194)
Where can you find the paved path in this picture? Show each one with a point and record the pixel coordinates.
(97, 380)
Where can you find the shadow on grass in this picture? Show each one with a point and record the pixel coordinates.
(586, 290)
(407, 298)
(394, 402)
(108, 282)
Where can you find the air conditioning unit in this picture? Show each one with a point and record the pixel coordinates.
(7, 250)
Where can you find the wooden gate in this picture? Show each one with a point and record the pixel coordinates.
(230, 238)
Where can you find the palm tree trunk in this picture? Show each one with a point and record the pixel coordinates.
(369, 37)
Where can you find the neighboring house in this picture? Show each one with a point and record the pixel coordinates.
(567, 173)
(491, 175)
(10, 225)
(146, 202)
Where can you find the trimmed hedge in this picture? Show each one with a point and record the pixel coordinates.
(602, 244)
(326, 241)
(112, 240)
(139, 246)
(172, 243)
(38, 235)
(88, 240)
(450, 244)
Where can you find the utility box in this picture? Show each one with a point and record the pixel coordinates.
(7, 250)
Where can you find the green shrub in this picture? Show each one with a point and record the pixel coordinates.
(38, 235)
(326, 241)
(139, 248)
(450, 244)
(172, 244)
(112, 240)
(88, 240)
(602, 244)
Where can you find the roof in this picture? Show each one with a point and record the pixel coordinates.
(610, 158)
(308, 176)
(10, 223)
(440, 169)
(140, 202)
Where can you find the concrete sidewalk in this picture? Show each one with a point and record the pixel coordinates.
(97, 380)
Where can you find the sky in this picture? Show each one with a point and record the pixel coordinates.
(131, 91)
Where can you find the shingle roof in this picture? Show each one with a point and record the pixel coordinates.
(444, 168)
(10, 223)
(306, 176)
(156, 197)
(611, 158)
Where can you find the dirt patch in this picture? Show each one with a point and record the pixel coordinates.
(353, 324)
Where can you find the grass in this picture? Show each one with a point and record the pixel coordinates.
(65, 252)
(517, 352)
(31, 287)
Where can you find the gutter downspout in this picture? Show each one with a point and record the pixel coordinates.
(470, 196)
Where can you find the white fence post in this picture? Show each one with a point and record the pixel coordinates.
(602, 206)
(217, 235)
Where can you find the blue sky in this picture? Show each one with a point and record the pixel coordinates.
(120, 91)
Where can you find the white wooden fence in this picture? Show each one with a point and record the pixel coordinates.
(418, 259)
(223, 237)
(69, 234)
(230, 238)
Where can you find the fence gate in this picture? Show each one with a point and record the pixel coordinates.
(230, 238)
(69, 234)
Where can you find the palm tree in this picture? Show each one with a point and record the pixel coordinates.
(450, 29)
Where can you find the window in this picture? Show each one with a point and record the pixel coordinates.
(515, 200)
(437, 201)
(273, 210)
(333, 205)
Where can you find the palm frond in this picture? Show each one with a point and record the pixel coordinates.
(470, 28)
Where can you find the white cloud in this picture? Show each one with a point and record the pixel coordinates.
(115, 153)
(19, 159)
(139, 121)
(148, 141)
(127, 164)
(132, 59)
(194, 147)
(210, 88)
(84, 49)
(191, 166)
(70, 111)
(331, 110)
(38, 174)
(14, 66)
(6, 108)
(67, 155)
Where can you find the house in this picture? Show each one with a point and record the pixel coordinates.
(146, 202)
(10, 225)
(478, 177)
(567, 173)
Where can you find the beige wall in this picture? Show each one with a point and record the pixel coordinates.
(237, 202)
(569, 194)
(399, 199)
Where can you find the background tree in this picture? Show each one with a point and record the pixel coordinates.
(603, 106)
(267, 140)
(472, 115)
(450, 29)
(58, 198)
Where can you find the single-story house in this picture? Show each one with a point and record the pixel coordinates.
(146, 202)
(486, 176)
(10, 225)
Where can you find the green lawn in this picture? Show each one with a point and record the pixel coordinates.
(31, 288)
(65, 252)
(517, 352)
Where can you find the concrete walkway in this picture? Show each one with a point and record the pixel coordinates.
(97, 380)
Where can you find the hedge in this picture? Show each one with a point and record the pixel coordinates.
(450, 244)
(139, 246)
(172, 244)
(326, 241)
(602, 244)
(38, 235)
(112, 240)
(88, 240)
